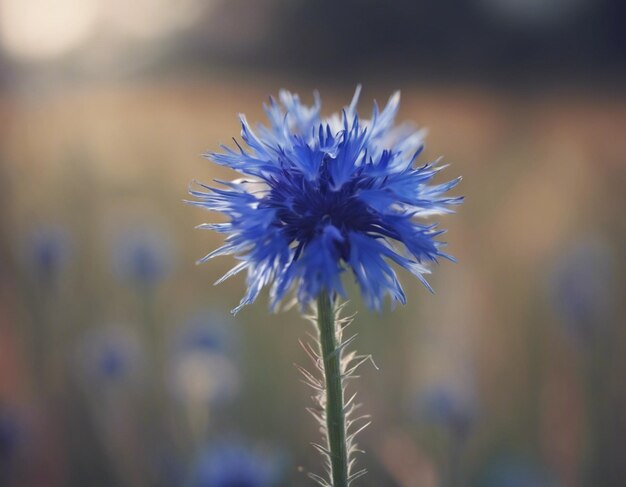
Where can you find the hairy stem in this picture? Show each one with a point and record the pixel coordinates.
(334, 404)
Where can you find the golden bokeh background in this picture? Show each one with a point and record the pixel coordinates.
(105, 110)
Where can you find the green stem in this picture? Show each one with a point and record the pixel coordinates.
(335, 415)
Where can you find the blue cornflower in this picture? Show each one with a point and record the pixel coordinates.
(110, 355)
(208, 331)
(200, 368)
(49, 249)
(142, 256)
(234, 465)
(452, 406)
(322, 196)
(582, 288)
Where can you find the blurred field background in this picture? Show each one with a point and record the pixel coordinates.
(120, 364)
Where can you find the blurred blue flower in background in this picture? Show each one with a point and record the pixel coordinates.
(143, 256)
(110, 355)
(235, 465)
(516, 472)
(48, 251)
(207, 330)
(201, 370)
(11, 436)
(320, 196)
(452, 406)
(582, 284)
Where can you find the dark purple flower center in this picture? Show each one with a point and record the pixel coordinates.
(305, 208)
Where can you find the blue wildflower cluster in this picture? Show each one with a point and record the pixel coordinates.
(322, 196)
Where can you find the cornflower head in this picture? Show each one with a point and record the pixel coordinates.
(49, 249)
(142, 256)
(200, 368)
(110, 356)
(451, 406)
(320, 196)
(582, 286)
(316, 198)
(206, 330)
